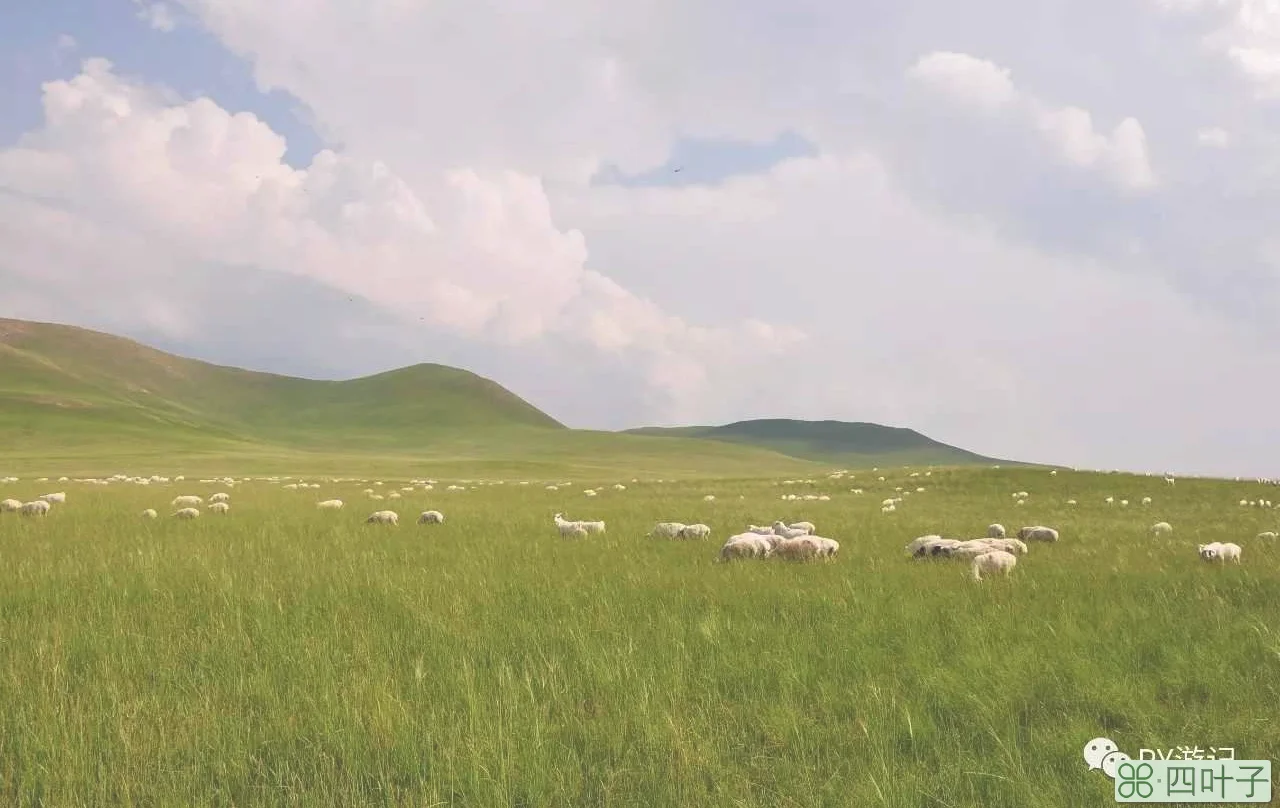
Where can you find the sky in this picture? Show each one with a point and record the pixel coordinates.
(1038, 230)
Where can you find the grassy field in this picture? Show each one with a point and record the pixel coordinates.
(286, 656)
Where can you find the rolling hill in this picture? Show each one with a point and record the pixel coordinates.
(838, 442)
(72, 395)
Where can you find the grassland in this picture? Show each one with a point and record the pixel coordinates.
(284, 656)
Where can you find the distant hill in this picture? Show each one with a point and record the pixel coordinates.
(832, 442)
(68, 394)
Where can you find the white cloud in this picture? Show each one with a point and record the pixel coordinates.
(66, 42)
(157, 15)
(968, 79)
(1246, 32)
(1214, 137)
(1123, 153)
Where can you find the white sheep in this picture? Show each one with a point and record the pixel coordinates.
(745, 545)
(220, 497)
(188, 501)
(150, 513)
(37, 507)
(573, 530)
(1267, 534)
(920, 546)
(762, 531)
(827, 548)
(1038, 533)
(185, 513)
(995, 531)
(431, 517)
(10, 505)
(330, 505)
(786, 532)
(666, 530)
(58, 497)
(219, 507)
(1161, 528)
(698, 531)
(1146, 500)
(383, 517)
(807, 527)
(593, 527)
(802, 548)
(1220, 551)
(992, 562)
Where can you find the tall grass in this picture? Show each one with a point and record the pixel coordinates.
(285, 656)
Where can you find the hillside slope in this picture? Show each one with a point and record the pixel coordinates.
(838, 442)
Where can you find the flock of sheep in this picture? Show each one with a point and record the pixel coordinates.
(994, 553)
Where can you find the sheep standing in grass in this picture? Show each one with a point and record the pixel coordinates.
(220, 498)
(995, 531)
(593, 527)
(188, 501)
(760, 531)
(1267, 534)
(1161, 529)
(666, 530)
(993, 562)
(827, 548)
(807, 527)
(1038, 533)
(802, 548)
(37, 507)
(186, 513)
(219, 507)
(698, 531)
(10, 505)
(431, 518)
(786, 532)
(1220, 551)
(745, 545)
(330, 505)
(573, 530)
(150, 513)
(58, 497)
(383, 518)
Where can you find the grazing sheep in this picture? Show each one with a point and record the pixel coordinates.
(383, 517)
(995, 531)
(566, 527)
(1161, 528)
(188, 501)
(1038, 533)
(666, 530)
(186, 513)
(593, 527)
(807, 527)
(572, 530)
(1146, 500)
(803, 548)
(220, 497)
(1220, 551)
(745, 545)
(992, 562)
(10, 505)
(219, 507)
(150, 513)
(1072, 502)
(919, 546)
(37, 507)
(698, 531)
(58, 497)
(762, 531)
(827, 548)
(431, 517)
(330, 505)
(1267, 534)
(709, 498)
(786, 532)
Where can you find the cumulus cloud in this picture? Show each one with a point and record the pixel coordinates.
(1007, 239)
(160, 186)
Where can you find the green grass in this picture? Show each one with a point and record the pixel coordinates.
(283, 656)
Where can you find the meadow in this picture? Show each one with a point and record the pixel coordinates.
(285, 656)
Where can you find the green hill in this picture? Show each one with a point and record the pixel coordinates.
(832, 442)
(74, 396)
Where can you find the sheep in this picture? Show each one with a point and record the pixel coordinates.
(185, 513)
(807, 527)
(827, 548)
(709, 498)
(802, 548)
(762, 531)
(745, 545)
(330, 505)
(187, 501)
(572, 530)
(37, 507)
(1161, 528)
(220, 497)
(786, 532)
(1146, 500)
(992, 562)
(383, 517)
(1014, 546)
(1220, 551)
(698, 531)
(10, 505)
(567, 527)
(1267, 534)
(666, 530)
(995, 531)
(150, 513)
(219, 507)
(1038, 533)
(919, 546)
(970, 549)
(431, 517)
(593, 527)
(51, 498)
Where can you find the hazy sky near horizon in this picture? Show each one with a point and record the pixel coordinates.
(1040, 230)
